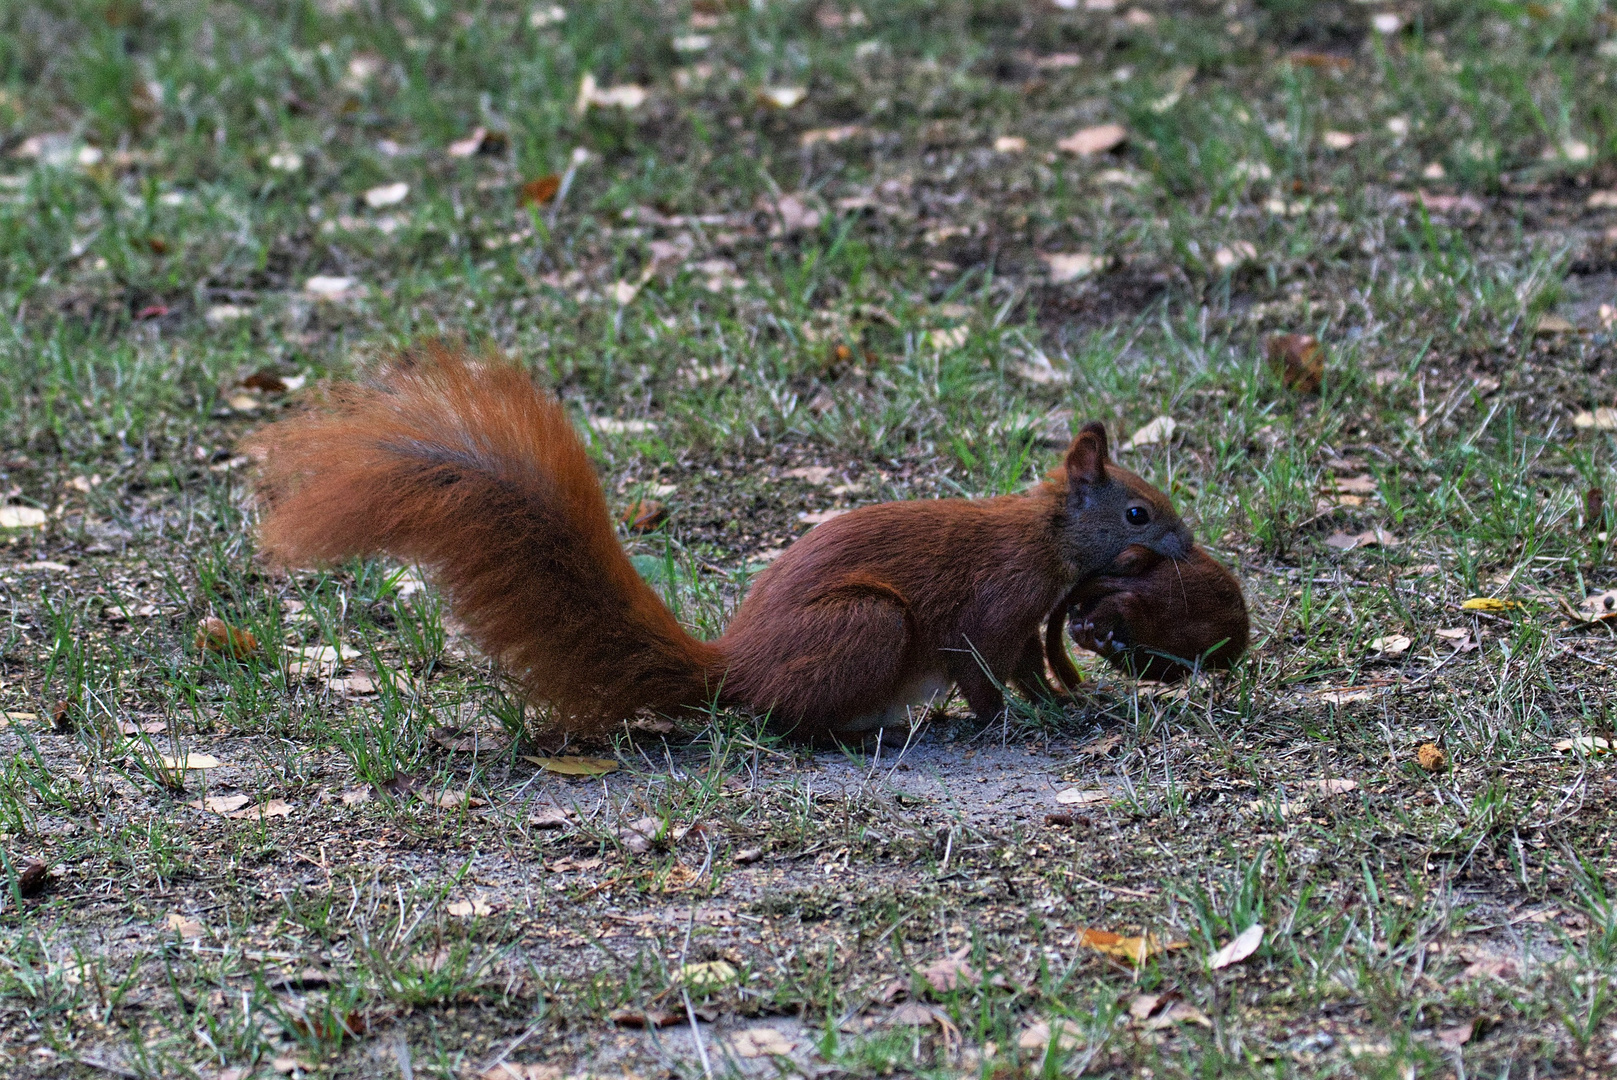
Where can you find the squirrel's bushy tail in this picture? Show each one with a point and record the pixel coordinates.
(468, 469)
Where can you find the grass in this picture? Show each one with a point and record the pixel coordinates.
(725, 293)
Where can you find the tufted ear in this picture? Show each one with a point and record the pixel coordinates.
(1086, 457)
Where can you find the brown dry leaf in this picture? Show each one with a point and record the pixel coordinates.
(188, 761)
(1598, 607)
(477, 906)
(1330, 786)
(1392, 645)
(1462, 637)
(1073, 266)
(829, 135)
(264, 810)
(574, 766)
(639, 836)
(549, 817)
(1320, 61)
(819, 475)
(1552, 324)
(1039, 1034)
(760, 1041)
(644, 515)
(1242, 946)
(820, 517)
(1345, 697)
(266, 380)
(795, 216)
(1158, 430)
(217, 636)
(1075, 796)
(647, 1018)
(1342, 541)
(1452, 1038)
(1585, 744)
(1602, 419)
(624, 96)
(188, 929)
(221, 804)
(356, 797)
(1363, 484)
(1179, 1012)
(951, 971)
(1429, 757)
(1299, 360)
(533, 1070)
(1143, 1005)
(1094, 140)
(33, 880)
(1232, 255)
(1105, 744)
(450, 800)
(541, 190)
(1135, 950)
(357, 684)
(463, 741)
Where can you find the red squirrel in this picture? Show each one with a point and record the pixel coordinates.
(1154, 618)
(467, 468)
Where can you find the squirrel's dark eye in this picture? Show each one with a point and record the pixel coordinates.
(1137, 516)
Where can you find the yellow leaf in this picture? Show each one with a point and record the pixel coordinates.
(709, 975)
(1491, 604)
(574, 766)
(1136, 950)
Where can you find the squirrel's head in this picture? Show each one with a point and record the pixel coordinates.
(1108, 508)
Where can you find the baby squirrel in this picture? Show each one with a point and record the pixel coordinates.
(467, 468)
(1154, 618)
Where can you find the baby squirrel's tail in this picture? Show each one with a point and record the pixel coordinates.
(470, 470)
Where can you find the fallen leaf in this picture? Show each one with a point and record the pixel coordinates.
(1039, 1034)
(639, 836)
(188, 761)
(820, 517)
(1598, 607)
(530, 1070)
(356, 797)
(1493, 605)
(220, 314)
(1299, 360)
(462, 741)
(813, 474)
(918, 1014)
(387, 195)
(188, 929)
(782, 97)
(1158, 430)
(1429, 757)
(829, 135)
(709, 975)
(357, 684)
(1009, 144)
(1584, 744)
(1180, 1012)
(1332, 786)
(1232, 255)
(946, 338)
(480, 141)
(1345, 697)
(1094, 140)
(1136, 950)
(1602, 419)
(328, 287)
(540, 191)
(477, 906)
(1242, 946)
(1342, 541)
(263, 810)
(1462, 637)
(221, 804)
(623, 96)
(21, 517)
(549, 817)
(1363, 484)
(574, 766)
(1073, 266)
(647, 1018)
(1105, 744)
(1452, 1038)
(454, 799)
(1321, 61)
(33, 879)
(949, 972)
(761, 1041)
(1079, 797)
(1392, 645)
(1338, 140)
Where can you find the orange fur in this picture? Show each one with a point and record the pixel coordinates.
(473, 472)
